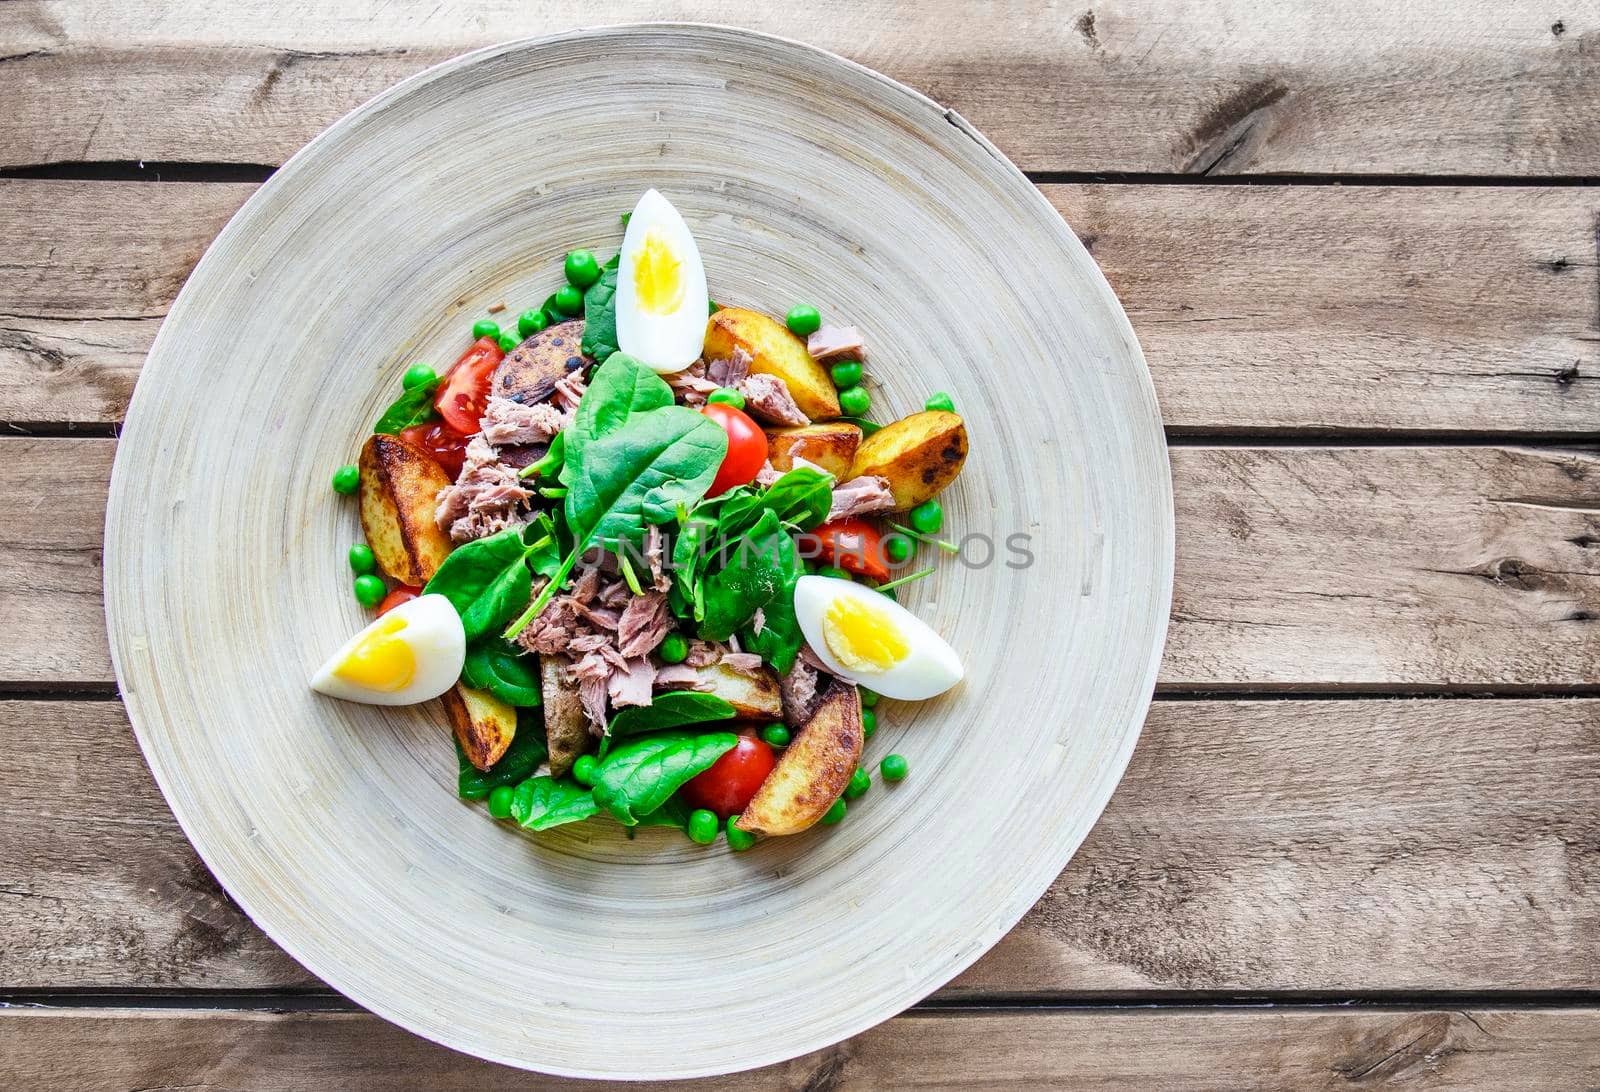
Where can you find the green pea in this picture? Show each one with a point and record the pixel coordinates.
(738, 840)
(584, 770)
(897, 548)
(727, 395)
(500, 801)
(569, 299)
(869, 723)
(531, 321)
(940, 401)
(860, 782)
(855, 401)
(835, 813)
(418, 375)
(509, 342)
(485, 327)
(803, 320)
(928, 517)
(346, 479)
(703, 826)
(713, 306)
(674, 649)
(361, 559)
(581, 268)
(846, 373)
(893, 767)
(370, 590)
(833, 571)
(869, 698)
(776, 735)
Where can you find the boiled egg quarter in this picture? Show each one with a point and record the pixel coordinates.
(410, 654)
(866, 637)
(661, 288)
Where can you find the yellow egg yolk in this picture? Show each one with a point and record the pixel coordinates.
(863, 637)
(657, 275)
(380, 661)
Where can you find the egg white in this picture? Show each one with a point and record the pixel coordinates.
(930, 668)
(434, 633)
(671, 341)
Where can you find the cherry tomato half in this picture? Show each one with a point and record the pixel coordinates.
(747, 448)
(727, 786)
(447, 446)
(465, 390)
(402, 593)
(855, 546)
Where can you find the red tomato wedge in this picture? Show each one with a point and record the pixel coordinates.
(465, 390)
(402, 593)
(855, 546)
(447, 446)
(747, 448)
(729, 783)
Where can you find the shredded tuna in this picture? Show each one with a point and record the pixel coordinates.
(703, 653)
(644, 622)
(506, 423)
(614, 595)
(680, 677)
(758, 621)
(799, 690)
(598, 617)
(592, 696)
(767, 475)
(832, 342)
(691, 385)
(859, 497)
(655, 557)
(486, 497)
(745, 663)
(631, 685)
(589, 642)
(569, 391)
(812, 660)
(729, 372)
(768, 397)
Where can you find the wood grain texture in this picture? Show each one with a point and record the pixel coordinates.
(1297, 568)
(1240, 1049)
(1268, 308)
(1331, 847)
(1222, 87)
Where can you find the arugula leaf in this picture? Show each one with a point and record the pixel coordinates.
(503, 670)
(527, 750)
(640, 777)
(544, 802)
(673, 709)
(761, 565)
(486, 581)
(600, 313)
(412, 408)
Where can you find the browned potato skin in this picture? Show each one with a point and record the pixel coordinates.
(831, 446)
(531, 371)
(813, 770)
(774, 351)
(399, 482)
(917, 455)
(753, 697)
(484, 725)
(565, 727)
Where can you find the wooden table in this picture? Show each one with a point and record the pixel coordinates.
(1360, 839)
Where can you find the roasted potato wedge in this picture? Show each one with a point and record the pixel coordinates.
(832, 446)
(566, 730)
(531, 371)
(399, 482)
(753, 697)
(918, 455)
(484, 725)
(813, 770)
(773, 351)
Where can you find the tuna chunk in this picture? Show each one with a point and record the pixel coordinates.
(486, 497)
(768, 397)
(644, 622)
(507, 423)
(832, 342)
(860, 497)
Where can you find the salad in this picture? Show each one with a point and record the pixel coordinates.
(646, 549)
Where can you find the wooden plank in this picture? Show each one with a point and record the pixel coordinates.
(1330, 846)
(1297, 568)
(1227, 87)
(1303, 1048)
(1270, 308)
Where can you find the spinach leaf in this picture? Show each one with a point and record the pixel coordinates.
(801, 497)
(520, 760)
(619, 388)
(503, 670)
(673, 709)
(486, 581)
(759, 566)
(544, 802)
(674, 813)
(600, 313)
(552, 313)
(867, 427)
(412, 408)
(641, 776)
(780, 638)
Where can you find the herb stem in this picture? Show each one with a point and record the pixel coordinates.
(918, 575)
(554, 492)
(627, 569)
(947, 547)
(548, 593)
